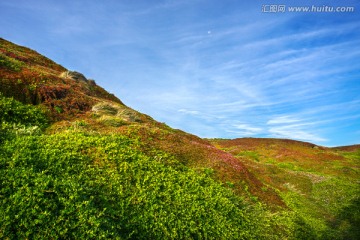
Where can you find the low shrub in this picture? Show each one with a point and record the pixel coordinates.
(74, 185)
(18, 119)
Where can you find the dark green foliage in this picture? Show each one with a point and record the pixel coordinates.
(87, 186)
(19, 119)
(348, 219)
(12, 111)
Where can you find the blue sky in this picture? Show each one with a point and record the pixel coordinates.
(220, 69)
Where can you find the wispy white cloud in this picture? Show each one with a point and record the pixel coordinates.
(291, 132)
(190, 112)
(294, 128)
(282, 120)
(244, 129)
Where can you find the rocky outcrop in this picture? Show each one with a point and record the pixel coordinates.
(74, 75)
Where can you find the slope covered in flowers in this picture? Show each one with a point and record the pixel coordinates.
(75, 162)
(320, 184)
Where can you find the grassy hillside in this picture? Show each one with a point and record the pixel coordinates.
(34, 79)
(75, 162)
(71, 102)
(320, 184)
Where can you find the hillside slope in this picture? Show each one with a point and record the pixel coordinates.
(74, 154)
(32, 78)
(321, 184)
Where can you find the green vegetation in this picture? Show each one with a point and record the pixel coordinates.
(76, 184)
(250, 154)
(13, 111)
(81, 185)
(10, 63)
(19, 119)
(90, 186)
(330, 212)
(319, 186)
(82, 165)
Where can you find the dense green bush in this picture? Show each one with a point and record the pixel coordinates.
(74, 185)
(12, 111)
(17, 119)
